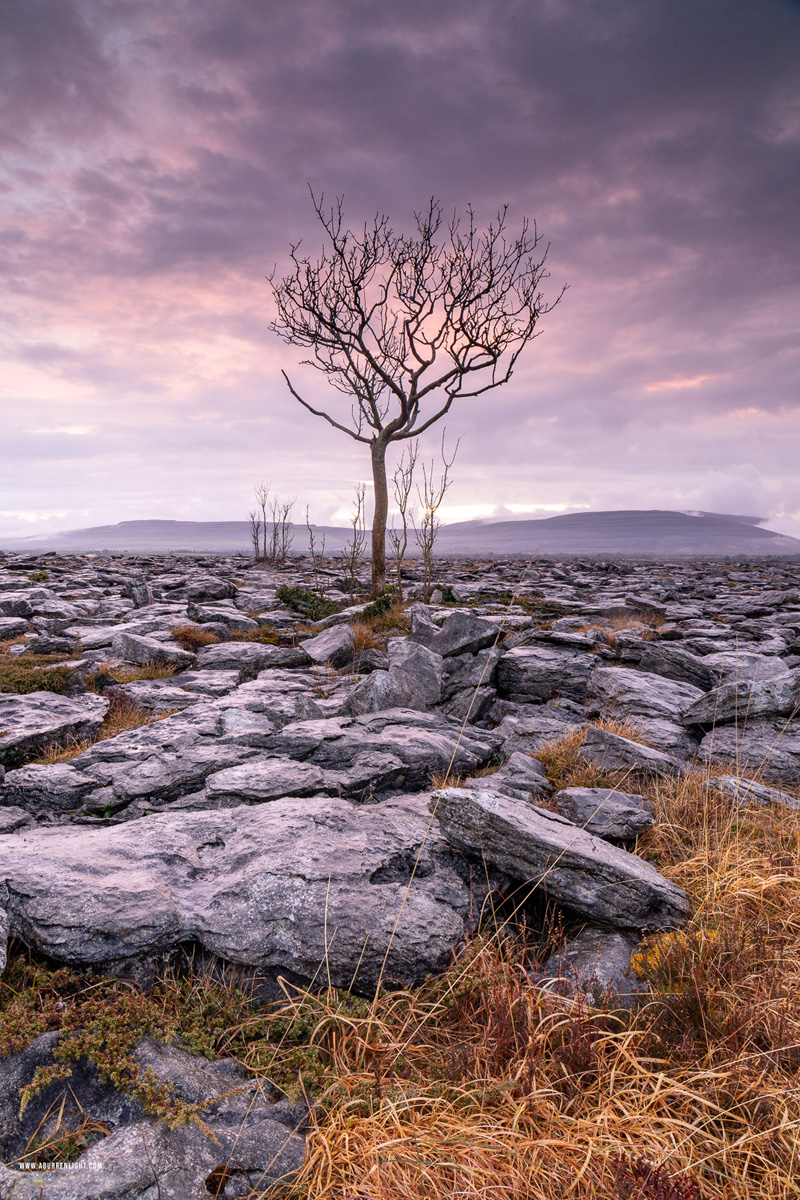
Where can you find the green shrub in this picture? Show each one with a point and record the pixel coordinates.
(308, 603)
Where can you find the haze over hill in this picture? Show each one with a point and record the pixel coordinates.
(635, 533)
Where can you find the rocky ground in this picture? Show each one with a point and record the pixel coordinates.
(210, 755)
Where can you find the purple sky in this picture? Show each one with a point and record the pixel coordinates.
(155, 162)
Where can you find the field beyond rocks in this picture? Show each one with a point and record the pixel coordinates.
(492, 896)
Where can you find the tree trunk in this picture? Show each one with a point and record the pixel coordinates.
(378, 449)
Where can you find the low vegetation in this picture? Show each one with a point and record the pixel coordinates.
(32, 672)
(193, 637)
(478, 1084)
(123, 714)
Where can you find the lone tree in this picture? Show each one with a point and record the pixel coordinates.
(404, 325)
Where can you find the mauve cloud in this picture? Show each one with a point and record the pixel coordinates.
(157, 159)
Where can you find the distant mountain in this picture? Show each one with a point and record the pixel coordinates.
(633, 533)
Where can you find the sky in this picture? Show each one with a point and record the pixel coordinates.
(156, 162)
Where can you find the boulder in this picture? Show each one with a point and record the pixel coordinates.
(228, 618)
(530, 733)
(462, 671)
(290, 886)
(242, 1129)
(752, 791)
(422, 665)
(541, 849)
(383, 690)
(669, 736)
(540, 672)
(46, 787)
(668, 661)
(595, 965)
(334, 647)
(520, 776)
(621, 693)
(11, 819)
(731, 665)
(136, 648)
(210, 588)
(743, 700)
(461, 633)
(472, 705)
(248, 658)
(139, 591)
(425, 744)
(12, 627)
(610, 752)
(606, 812)
(38, 719)
(770, 749)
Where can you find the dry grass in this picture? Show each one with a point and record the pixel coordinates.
(366, 637)
(479, 1085)
(566, 769)
(123, 714)
(393, 622)
(107, 674)
(192, 637)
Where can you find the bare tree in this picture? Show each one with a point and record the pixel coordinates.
(402, 482)
(262, 499)
(354, 552)
(282, 536)
(404, 325)
(317, 556)
(255, 533)
(430, 498)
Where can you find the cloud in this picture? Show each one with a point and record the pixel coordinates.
(158, 156)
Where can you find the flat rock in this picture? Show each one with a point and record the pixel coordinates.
(38, 719)
(752, 791)
(249, 657)
(334, 647)
(542, 849)
(606, 812)
(541, 672)
(743, 700)
(622, 692)
(730, 665)
(265, 779)
(610, 752)
(255, 885)
(770, 749)
(137, 648)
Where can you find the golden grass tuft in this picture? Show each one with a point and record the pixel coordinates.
(123, 714)
(128, 673)
(394, 621)
(192, 637)
(366, 638)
